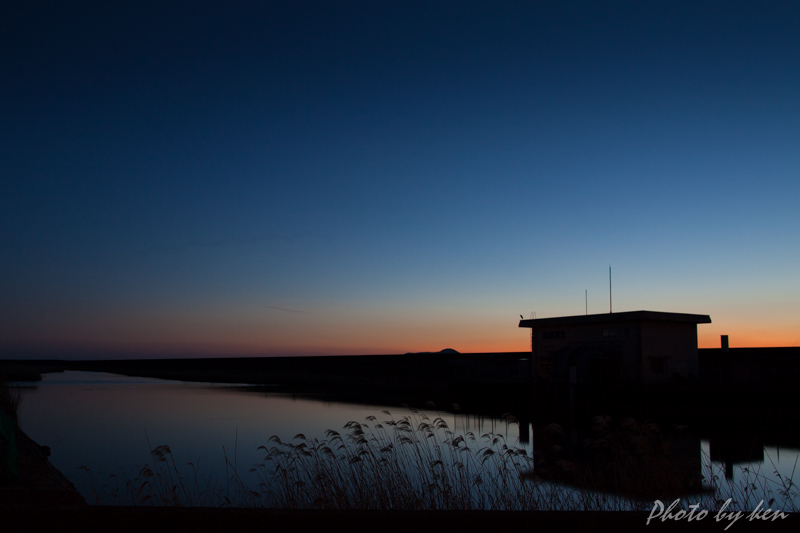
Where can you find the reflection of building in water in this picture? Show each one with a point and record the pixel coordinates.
(735, 448)
(638, 347)
(515, 432)
(628, 458)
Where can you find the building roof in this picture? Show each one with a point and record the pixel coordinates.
(604, 318)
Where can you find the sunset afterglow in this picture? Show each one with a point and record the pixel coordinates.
(388, 177)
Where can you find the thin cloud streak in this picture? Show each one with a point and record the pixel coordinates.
(287, 310)
(219, 243)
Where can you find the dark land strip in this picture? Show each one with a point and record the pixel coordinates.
(138, 519)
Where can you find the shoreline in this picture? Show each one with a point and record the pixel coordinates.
(39, 483)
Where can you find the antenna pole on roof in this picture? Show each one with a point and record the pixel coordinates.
(586, 297)
(609, 289)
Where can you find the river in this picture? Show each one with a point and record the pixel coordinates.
(101, 429)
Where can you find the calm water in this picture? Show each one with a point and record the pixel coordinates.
(109, 423)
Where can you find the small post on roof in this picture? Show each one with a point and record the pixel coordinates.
(609, 289)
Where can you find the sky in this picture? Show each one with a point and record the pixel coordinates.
(296, 178)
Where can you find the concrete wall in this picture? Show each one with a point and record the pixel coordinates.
(766, 369)
(668, 348)
(625, 352)
(594, 349)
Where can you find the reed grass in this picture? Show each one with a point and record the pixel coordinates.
(415, 463)
(754, 486)
(163, 484)
(410, 463)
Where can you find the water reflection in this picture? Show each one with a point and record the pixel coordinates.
(770, 473)
(110, 423)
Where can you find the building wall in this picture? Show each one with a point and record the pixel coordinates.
(615, 352)
(668, 348)
(601, 352)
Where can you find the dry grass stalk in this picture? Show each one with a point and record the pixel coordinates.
(414, 463)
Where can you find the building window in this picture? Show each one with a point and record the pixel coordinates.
(548, 335)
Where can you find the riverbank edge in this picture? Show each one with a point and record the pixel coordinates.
(40, 484)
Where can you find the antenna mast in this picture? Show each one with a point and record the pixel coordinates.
(609, 289)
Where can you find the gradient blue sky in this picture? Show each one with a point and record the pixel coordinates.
(206, 178)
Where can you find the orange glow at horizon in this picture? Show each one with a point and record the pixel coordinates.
(769, 332)
(178, 350)
(187, 333)
(356, 332)
(748, 338)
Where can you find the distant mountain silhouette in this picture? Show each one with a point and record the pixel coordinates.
(446, 350)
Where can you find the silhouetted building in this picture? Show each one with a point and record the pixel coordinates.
(637, 347)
